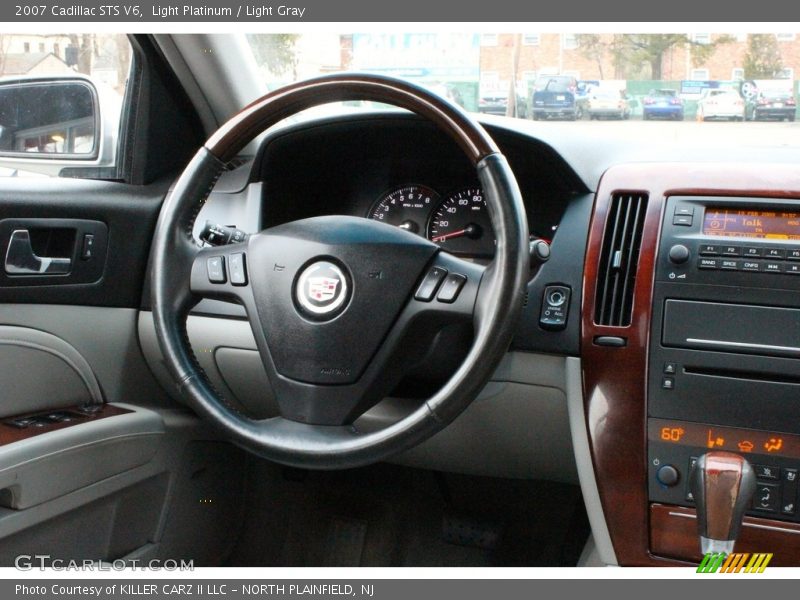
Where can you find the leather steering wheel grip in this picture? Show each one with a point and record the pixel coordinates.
(495, 315)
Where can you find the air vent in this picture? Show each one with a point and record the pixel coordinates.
(619, 259)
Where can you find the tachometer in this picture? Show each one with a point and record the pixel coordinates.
(461, 224)
(407, 207)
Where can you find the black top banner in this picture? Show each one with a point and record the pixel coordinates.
(495, 11)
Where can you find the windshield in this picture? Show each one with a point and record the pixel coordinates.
(547, 77)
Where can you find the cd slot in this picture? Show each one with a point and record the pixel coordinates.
(732, 328)
(743, 375)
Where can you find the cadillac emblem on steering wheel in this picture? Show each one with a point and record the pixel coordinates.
(321, 290)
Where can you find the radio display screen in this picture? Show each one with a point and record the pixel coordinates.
(758, 224)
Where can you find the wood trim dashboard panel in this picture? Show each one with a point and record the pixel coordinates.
(615, 378)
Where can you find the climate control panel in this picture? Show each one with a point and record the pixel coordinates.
(674, 447)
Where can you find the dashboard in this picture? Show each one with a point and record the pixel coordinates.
(403, 171)
(642, 370)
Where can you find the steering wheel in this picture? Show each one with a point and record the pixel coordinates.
(336, 303)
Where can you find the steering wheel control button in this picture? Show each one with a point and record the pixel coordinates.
(427, 289)
(678, 254)
(451, 287)
(667, 475)
(237, 269)
(321, 290)
(555, 308)
(216, 269)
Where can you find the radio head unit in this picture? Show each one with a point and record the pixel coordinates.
(751, 242)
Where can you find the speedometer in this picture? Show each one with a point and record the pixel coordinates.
(461, 224)
(407, 207)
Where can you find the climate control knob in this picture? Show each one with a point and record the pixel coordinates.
(667, 475)
(678, 254)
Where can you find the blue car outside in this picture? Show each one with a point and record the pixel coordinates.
(665, 104)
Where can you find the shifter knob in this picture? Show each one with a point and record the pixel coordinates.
(723, 484)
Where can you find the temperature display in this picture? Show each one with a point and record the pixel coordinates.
(758, 224)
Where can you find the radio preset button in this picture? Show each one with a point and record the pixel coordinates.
(713, 250)
(731, 251)
(750, 265)
(729, 265)
(751, 251)
(793, 254)
(778, 253)
(708, 263)
(773, 267)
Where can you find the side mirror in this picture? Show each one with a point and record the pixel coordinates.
(51, 123)
(52, 117)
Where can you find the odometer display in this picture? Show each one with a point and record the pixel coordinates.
(461, 224)
(407, 207)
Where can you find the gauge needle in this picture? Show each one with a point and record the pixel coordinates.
(468, 230)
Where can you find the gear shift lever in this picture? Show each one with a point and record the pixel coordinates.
(723, 484)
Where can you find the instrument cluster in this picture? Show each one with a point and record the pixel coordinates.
(457, 221)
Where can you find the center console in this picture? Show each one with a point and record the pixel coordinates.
(704, 356)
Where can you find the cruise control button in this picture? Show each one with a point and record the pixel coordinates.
(778, 253)
(731, 251)
(751, 251)
(237, 268)
(708, 263)
(451, 287)
(750, 265)
(216, 269)
(427, 289)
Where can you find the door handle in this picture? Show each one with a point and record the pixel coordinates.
(22, 260)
